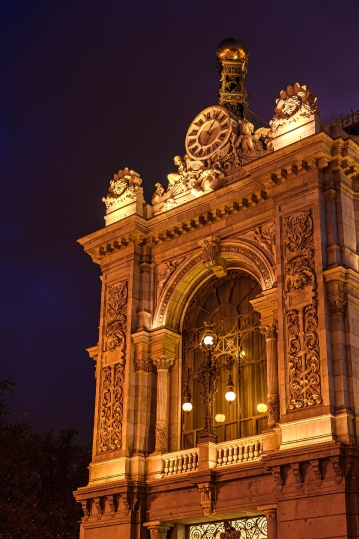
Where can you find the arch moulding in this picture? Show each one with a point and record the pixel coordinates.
(192, 274)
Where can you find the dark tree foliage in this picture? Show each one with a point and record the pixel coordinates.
(38, 473)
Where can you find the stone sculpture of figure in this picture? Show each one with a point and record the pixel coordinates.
(209, 180)
(158, 194)
(174, 177)
(245, 141)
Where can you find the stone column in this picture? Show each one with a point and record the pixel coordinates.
(163, 363)
(270, 512)
(158, 530)
(271, 337)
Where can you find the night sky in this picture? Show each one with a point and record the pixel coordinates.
(89, 88)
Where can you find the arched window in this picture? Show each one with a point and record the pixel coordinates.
(225, 302)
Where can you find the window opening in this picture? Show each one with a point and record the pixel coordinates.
(244, 528)
(225, 303)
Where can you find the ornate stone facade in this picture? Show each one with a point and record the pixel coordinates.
(247, 239)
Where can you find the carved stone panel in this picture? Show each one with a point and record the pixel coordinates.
(301, 311)
(116, 320)
(111, 408)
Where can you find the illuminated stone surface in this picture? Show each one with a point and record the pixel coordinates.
(287, 216)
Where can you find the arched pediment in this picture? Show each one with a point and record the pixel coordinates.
(192, 273)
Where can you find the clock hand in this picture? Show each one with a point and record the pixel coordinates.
(209, 130)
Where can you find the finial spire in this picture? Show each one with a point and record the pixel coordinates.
(231, 62)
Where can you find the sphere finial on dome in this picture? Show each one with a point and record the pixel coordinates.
(232, 48)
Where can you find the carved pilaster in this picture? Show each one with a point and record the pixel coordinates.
(207, 497)
(111, 407)
(143, 363)
(211, 257)
(163, 363)
(270, 512)
(271, 336)
(301, 311)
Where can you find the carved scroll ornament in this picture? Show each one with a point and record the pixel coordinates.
(302, 321)
(116, 318)
(299, 250)
(111, 407)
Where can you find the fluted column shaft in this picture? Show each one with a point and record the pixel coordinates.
(271, 337)
(163, 363)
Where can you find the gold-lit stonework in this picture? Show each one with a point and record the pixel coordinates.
(227, 355)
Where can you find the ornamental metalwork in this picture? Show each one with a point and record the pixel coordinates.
(244, 528)
(348, 120)
(225, 304)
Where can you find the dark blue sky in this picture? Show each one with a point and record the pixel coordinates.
(91, 87)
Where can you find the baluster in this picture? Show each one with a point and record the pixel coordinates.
(190, 457)
(240, 453)
(166, 466)
(219, 456)
(250, 455)
(175, 465)
(225, 457)
(256, 445)
(245, 452)
(180, 464)
(185, 460)
(230, 455)
(260, 447)
(194, 461)
(235, 453)
(170, 470)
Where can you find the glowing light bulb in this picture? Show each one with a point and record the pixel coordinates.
(187, 407)
(262, 408)
(208, 340)
(220, 418)
(230, 396)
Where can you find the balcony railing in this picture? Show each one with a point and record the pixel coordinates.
(237, 451)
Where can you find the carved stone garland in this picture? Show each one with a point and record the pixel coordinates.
(301, 312)
(113, 375)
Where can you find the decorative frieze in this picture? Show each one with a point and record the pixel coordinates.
(111, 408)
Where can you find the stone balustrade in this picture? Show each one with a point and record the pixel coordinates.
(237, 451)
(180, 462)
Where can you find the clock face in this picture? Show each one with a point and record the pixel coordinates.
(208, 132)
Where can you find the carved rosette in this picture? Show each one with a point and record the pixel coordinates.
(302, 321)
(161, 436)
(116, 319)
(111, 407)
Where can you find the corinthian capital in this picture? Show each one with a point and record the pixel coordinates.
(270, 331)
(163, 362)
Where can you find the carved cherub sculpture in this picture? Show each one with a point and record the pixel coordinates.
(246, 141)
